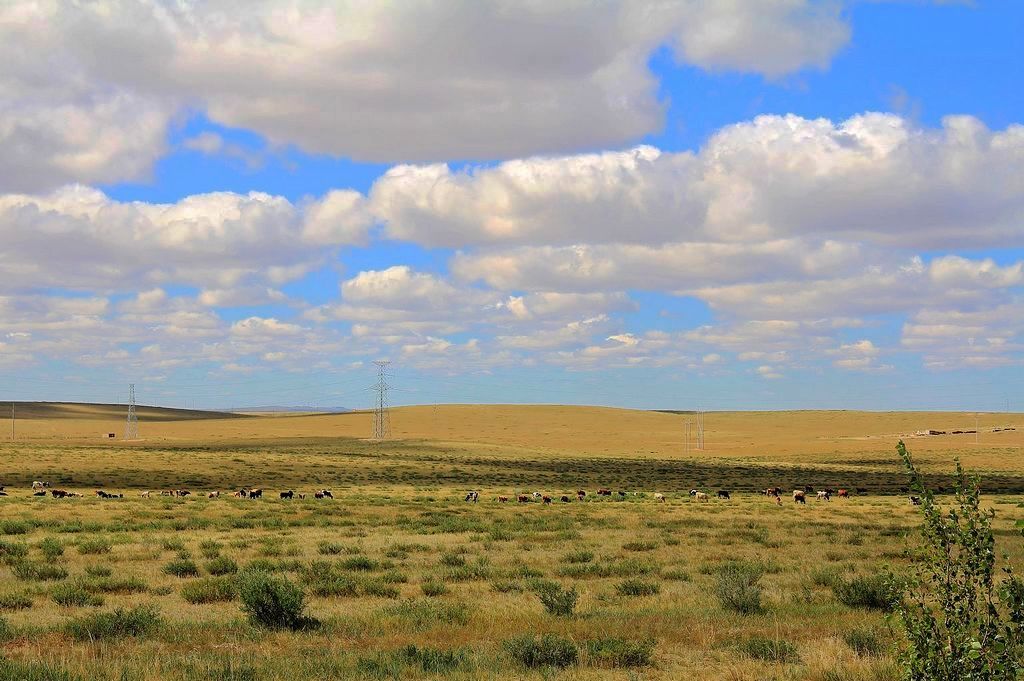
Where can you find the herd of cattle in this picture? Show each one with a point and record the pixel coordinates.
(40, 489)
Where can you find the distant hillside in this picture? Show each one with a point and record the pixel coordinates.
(28, 411)
(279, 409)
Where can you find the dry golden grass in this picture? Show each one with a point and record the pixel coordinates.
(399, 505)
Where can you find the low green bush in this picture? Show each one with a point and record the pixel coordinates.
(617, 652)
(73, 594)
(94, 546)
(99, 570)
(737, 587)
(272, 601)
(210, 590)
(51, 548)
(549, 650)
(864, 641)
(433, 588)
(874, 592)
(181, 567)
(580, 556)
(39, 572)
(557, 600)
(380, 589)
(221, 565)
(15, 601)
(637, 587)
(138, 622)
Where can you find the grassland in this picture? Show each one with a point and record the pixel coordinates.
(398, 559)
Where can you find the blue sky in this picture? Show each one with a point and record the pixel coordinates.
(773, 204)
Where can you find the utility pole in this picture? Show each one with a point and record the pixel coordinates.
(131, 428)
(381, 417)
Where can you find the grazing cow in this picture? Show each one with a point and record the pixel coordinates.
(145, 495)
(693, 492)
(523, 498)
(255, 494)
(503, 499)
(301, 495)
(904, 490)
(327, 493)
(622, 494)
(722, 494)
(581, 497)
(40, 493)
(700, 496)
(823, 495)
(916, 501)
(183, 493)
(772, 492)
(808, 489)
(537, 495)
(862, 490)
(844, 494)
(565, 499)
(604, 492)
(240, 494)
(658, 496)
(36, 484)
(213, 495)
(778, 499)
(473, 496)
(581, 493)
(799, 496)
(318, 494)
(546, 499)
(830, 491)
(287, 495)
(55, 493)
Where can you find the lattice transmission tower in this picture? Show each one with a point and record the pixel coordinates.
(381, 415)
(131, 428)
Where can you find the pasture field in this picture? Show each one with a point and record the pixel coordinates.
(404, 579)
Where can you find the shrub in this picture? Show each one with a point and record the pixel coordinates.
(433, 588)
(549, 650)
(172, 544)
(221, 565)
(676, 574)
(453, 559)
(115, 585)
(325, 579)
(210, 590)
(51, 548)
(959, 623)
(394, 577)
(864, 641)
(737, 588)
(11, 552)
(94, 546)
(870, 591)
(617, 652)
(432, 660)
(99, 570)
(637, 587)
(556, 600)
(505, 586)
(137, 622)
(769, 649)
(74, 595)
(15, 601)
(181, 567)
(271, 601)
(40, 572)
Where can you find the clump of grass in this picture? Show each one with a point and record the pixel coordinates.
(10, 670)
(864, 641)
(874, 592)
(172, 544)
(325, 579)
(637, 587)
(775, 650)
(221, 565)
(38, 572)
(453, 559)
(51, 548)
(271, 601)
(138, 622)
(394, 577)
(422, 614)
(210, 590)
(506, 586)
(99, 570)
(556, 600)
(429, 660)
(737, 587)
(14, 527)
(94, 546)
(676, 575)
(181, 567)
(380, 589)
(74, 595)
(327, 548)
(432, 587)
(11, 552)
(210, 549)
(581, 556)
(617, 652)
(115, 585)
(360, 564)
(640, 546)
(549, 650)
(15, 601)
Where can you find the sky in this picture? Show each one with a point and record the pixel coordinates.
(716, 204)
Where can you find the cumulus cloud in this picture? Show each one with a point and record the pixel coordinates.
(412, 81)
(83, 239)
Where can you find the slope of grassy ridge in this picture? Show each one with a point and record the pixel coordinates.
(41, 411)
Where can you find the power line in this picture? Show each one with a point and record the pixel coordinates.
(381, 415)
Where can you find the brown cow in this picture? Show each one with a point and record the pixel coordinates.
(502, 499)
(287, 495)
(255, 494)
(799, 496)
(523, 498)
(565, 499)
(843, 494)
(604, 492)
(546, 499)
